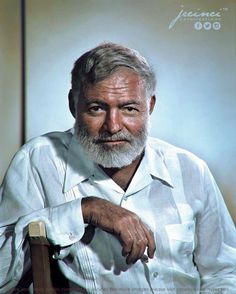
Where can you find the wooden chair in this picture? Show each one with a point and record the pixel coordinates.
(47, 278)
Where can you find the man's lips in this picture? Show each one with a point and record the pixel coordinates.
(112, 142)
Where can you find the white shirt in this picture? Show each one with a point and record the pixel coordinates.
(172, 191)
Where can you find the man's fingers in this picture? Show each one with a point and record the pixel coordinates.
(127, 248)
(135, 244)
(150, 242)
(137, 251)
(127, 239)
(135, 240)
(133, 234)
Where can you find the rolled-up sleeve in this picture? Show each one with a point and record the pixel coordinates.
(21, 202)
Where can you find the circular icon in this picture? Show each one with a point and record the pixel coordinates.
(198, 25)
(216, 25)
(207, 25)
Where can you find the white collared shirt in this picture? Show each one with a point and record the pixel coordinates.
(172, 191)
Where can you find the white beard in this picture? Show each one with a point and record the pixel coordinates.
(113, 156)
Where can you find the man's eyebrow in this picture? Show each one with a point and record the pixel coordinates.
(130, 102)
(95, 101)
(90, 101)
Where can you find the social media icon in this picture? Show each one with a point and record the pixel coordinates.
(216, 25)
(207, 25)
(198, 25)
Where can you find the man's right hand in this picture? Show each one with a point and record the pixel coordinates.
(132, 233)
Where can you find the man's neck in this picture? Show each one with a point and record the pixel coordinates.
(123, 176)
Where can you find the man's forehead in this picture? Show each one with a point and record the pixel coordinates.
(124, 78)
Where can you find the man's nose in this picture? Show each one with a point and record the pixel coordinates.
(113, 121)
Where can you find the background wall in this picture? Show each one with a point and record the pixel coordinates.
(194, 56)
(10, 82)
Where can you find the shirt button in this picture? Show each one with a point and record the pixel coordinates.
(71, 237)
(155, 274)
(125, 198)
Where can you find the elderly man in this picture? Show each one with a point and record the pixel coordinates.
(129, 213)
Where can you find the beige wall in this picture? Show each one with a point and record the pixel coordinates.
(10, 100)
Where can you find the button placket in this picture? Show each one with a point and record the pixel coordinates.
(123, 201)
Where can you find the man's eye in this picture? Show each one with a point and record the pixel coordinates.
(95, 109)
(130, 109)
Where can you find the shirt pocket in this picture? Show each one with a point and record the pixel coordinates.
(181, 242)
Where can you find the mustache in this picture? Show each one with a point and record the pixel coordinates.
(121, 136)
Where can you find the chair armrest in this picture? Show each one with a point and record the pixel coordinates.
(40, 259)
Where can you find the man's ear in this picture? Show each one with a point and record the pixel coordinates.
(71, 103)
(152, 103)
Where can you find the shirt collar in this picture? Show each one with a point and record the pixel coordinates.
(80, 167)
(156, 164)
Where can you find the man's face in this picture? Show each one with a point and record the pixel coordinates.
(112, 119)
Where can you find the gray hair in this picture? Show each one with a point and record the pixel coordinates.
(102, 61)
